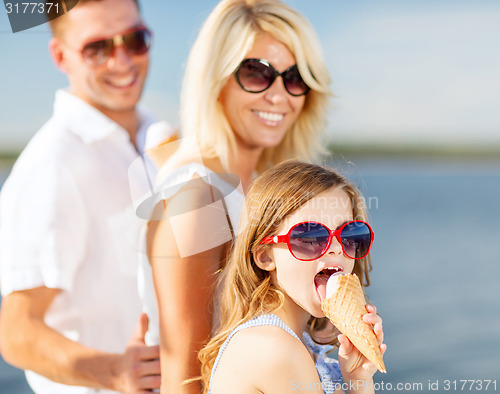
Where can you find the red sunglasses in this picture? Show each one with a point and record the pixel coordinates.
(309, 241)
(136, 40)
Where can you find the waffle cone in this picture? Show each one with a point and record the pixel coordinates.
(345, 309)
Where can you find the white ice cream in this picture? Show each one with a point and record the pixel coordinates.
(333, 284)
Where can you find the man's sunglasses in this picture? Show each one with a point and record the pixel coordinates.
(257, 75)
(310, 240)
(97, 52)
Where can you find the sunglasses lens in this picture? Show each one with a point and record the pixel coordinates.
(294, 83)
(356, 239)
(308, 241)
(254, 76)
(137, 42)
(97, 52)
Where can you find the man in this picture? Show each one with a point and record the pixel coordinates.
(67, 227)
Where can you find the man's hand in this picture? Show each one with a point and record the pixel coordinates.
(138, 370)
(28, 343)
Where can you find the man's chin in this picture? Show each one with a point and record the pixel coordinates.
(123, 100)
(119, 104)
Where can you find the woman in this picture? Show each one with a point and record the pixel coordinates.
(255, 92)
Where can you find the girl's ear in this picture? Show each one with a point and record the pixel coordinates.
(263, 259)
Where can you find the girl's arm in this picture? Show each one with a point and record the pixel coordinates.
(185, 281)
(354, 366)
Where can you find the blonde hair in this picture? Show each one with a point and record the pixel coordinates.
(247, 290)
(226, 37)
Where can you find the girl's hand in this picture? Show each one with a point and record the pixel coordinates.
(353, 364)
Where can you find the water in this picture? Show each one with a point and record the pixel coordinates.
(436, 268)
(435, 258)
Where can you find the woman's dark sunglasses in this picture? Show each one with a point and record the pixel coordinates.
(97, 52)
(257, 75)
(310, 240)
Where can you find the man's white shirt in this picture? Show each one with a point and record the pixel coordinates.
(67, 222)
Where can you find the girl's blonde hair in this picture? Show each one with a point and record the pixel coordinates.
(226, 37)
(247, 290)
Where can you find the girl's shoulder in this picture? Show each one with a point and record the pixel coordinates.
(266, 358)
(269, 339)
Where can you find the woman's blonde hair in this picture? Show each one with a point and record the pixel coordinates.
(226, 37)
(246, 290)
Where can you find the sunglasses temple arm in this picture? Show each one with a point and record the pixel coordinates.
(277, 239)
(267, 241)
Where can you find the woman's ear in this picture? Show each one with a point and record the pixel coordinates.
(263, 258)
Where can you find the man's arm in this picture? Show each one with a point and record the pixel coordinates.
(28, 343)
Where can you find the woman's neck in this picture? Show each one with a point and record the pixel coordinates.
(243, 163)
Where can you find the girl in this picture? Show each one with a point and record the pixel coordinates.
(274, 282)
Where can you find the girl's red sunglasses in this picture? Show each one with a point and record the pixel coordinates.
(309, 241)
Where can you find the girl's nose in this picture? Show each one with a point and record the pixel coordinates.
(335, 247)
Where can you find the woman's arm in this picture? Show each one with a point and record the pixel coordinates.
(186, 250)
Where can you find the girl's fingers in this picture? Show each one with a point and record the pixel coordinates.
(383, 348)
(351, 358)
(346, 346)
(372, 318)
(378, 329)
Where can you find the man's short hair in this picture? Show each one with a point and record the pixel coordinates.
(57, 23)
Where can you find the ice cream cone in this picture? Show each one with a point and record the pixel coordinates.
(345, 309)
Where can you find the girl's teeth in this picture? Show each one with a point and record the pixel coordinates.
(273, 117)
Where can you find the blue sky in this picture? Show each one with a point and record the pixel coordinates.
(404, 71)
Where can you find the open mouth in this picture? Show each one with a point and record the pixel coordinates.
(321, 278)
